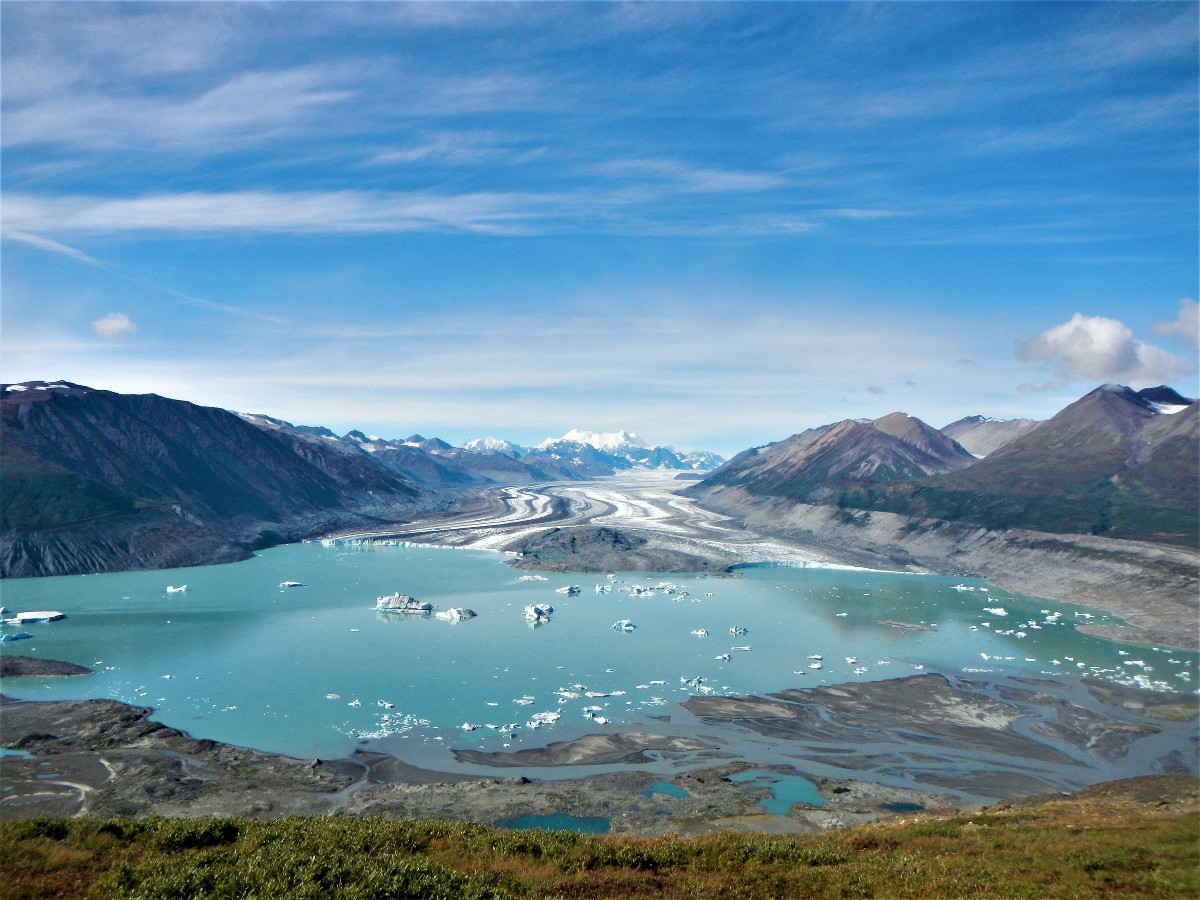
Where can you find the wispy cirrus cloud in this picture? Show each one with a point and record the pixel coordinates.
(51, 246)
(305, 212)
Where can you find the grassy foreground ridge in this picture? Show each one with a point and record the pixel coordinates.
(1139, 838)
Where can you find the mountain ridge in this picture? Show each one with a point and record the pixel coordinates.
(1111, 463)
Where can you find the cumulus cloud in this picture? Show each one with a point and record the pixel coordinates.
(1096, 348)
(1185, 327)
(114, 325)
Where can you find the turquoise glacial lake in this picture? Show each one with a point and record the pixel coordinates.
(315, 670)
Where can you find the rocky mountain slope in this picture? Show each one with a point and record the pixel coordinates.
(808, 466)
(982, 435)
(97, 481)
(1112, 463)
(1109, 464)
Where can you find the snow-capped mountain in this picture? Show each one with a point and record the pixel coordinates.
(494, 445)
(610, 442)
(623, 450)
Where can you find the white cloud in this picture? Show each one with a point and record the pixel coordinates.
(310, 212)
(50, 246)
(1100, 349)
(114, 325)
(1186, 326)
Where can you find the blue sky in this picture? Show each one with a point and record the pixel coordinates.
(712, 224)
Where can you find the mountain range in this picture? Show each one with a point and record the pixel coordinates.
(98, 481)
(1116, 463)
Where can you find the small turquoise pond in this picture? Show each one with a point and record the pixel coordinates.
(900, 807)
(559, 822)
(787, 789)
(665, 787)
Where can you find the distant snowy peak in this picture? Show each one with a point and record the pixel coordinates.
(493, 445)
(609, 442)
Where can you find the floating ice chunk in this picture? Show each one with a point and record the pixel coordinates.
(996, 610)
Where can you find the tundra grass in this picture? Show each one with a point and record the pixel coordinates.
(1063, 849)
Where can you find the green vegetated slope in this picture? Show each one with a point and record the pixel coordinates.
(1135, 839)
(37, 494)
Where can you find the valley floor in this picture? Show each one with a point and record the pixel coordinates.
(1154, 588)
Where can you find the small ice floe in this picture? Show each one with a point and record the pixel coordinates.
(333, 696)
(166, 676)
(533, 578)
(799, 672)
(568, 590)
(1140, 663)
(693, 682)
(455, 614)
(861, 670)
(700, 632)
(171, 589)
(814, 665)
(567, 695)
(851, 660)
(524, 701)
(287, 584)
(816, 656)
(738, 629)
(842, 615)
(354, 703)
(599, 720)
(385, 704)
(743, 648)
(918, 666)
(604, 589)
(623, 625)
(595, 694)
(1080, 615)
(962, 587)
(538, 612)
(995, 610)
(724, 657)
(1056, 662)
(467, 726)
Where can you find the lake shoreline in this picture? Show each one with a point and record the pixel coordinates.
(102, 757)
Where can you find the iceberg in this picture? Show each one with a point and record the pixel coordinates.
(402, 603)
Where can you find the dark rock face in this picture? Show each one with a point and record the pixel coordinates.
(602, 549)
(96, 481)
